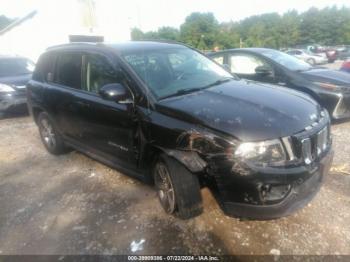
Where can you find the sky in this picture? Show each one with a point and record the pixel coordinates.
(152, 14)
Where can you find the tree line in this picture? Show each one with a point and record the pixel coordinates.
(327, 26)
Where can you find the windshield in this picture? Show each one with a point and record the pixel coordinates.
(169, 71)
(15, 66)
(286, 60)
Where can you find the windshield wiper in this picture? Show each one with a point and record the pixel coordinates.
(195, 89)
(182, 92)
(304, 70)
(219, 82)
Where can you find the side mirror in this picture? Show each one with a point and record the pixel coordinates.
(263, 71)
(116, 92)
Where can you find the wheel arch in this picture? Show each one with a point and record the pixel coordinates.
(189, 159)
(36, 112)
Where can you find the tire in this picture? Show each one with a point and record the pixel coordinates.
(174, 182)
(50, 137)
(311, 61)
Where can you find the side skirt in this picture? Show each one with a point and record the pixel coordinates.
(108, 160)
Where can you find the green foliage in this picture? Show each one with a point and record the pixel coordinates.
(168, 33)
(200, 30)
(328, 26)
(136, 34)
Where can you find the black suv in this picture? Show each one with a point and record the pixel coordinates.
(166, 114)
(15, 72)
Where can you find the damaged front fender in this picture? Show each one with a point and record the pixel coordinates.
(196, 149)
(189, 159)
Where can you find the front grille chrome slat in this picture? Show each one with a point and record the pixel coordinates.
(306, 150)
(321, 141)
(314, 145)
(313, 141)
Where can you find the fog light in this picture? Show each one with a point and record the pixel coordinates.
(274, 192)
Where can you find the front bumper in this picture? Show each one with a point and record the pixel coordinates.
(241, 197)
(13, 100)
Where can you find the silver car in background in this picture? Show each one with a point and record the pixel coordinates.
(307, 56)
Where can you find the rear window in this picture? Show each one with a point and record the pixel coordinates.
(15, 66)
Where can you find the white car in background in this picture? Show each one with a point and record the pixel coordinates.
(307, 56)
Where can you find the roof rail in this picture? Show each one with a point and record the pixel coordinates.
(75, 44)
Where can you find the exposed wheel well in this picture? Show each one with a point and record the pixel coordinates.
(36, 113)
(149, 157)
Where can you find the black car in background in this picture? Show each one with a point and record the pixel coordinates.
(168, 115)
(330, 88)
(343, 52)
(15, 72)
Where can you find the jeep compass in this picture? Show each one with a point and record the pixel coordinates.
(168, 115)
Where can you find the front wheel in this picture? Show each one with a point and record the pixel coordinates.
(178, 189)
(50, 137)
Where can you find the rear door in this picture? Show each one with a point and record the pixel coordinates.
(62, 88)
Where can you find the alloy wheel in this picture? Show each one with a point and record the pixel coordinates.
(48, 133)
(164, 187)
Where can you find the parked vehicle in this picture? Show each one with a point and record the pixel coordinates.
(308, 57)
(344, 53)
(330, 53)
(167, 114)
(15, 72)
(330, 88)
(346, 66)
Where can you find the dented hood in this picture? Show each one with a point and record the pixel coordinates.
(247, 110)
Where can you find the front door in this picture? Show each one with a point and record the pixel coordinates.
(249, 66)
(106, 126)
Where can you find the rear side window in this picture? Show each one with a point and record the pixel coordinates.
(98, 72)
(68, 69)
(44, 67)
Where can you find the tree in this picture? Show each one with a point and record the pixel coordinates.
(169, 33)
(200, 30)
(228, 36)
(328, 26)
(136, 34)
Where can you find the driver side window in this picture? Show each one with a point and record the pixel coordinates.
(245, 64)
(98, 72)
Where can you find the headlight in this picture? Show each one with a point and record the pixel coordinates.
(327, 85)
(5, 88)
(264, 153)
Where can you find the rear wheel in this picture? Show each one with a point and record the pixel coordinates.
(50, 137)
(178, 189)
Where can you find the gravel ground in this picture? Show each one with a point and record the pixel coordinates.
(72, 204)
